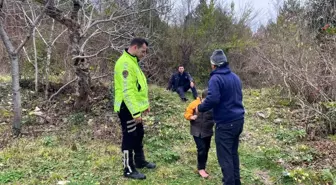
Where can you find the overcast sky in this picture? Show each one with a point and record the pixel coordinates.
(264, 9)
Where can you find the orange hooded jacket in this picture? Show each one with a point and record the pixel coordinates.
(191, 108)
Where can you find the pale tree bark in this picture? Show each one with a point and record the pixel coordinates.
(14, 55)
(35, 51)
(49, 44)
(47, 61)
(82, 28)
(29, 21)
(35, 62)
(81, 65)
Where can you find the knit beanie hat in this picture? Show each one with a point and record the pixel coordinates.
(218, 58)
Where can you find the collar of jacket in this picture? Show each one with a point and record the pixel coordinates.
(134, 58)
(221, 70)
(180, 74)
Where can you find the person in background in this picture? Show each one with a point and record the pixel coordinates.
(181, 82)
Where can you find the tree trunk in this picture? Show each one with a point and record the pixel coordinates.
(82, 72)
(14, 57)
(16, 94)
(35, 61)
(47, 62)
(81, 65)
(83, 88)
(46, 71)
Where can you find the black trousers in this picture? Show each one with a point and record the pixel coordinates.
(227, 141)
(132, 136)
(203, 146)
(182, 89)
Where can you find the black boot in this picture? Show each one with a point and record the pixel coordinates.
(134, 174)
(129, 168)
(140, 161)
(146, 164)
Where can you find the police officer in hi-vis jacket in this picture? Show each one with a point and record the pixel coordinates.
(131, 102)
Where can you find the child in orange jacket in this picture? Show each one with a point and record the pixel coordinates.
(201, 128)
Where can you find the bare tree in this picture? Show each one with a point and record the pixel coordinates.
(87, 23)
(293, 57)
(14, 55)
(49, 42)
(28, 21)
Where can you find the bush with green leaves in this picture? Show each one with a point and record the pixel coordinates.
(289, 136)
(77, 118)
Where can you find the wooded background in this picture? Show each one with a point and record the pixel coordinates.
(54, 42)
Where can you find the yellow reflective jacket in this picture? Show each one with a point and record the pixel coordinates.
(130, 85)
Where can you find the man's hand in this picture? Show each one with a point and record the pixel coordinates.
(138, 120)
(146, 111)
(192, 84)
(194, 117)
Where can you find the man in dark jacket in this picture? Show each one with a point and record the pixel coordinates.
(181, 82)
(225, 98)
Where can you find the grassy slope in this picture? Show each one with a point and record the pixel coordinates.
(266, 149)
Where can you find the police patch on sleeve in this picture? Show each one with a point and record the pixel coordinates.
(125, 73)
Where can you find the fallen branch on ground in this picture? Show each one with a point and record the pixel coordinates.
(98, 77)
(52, 96)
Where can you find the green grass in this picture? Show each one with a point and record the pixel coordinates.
(5, 78)
(72, 155)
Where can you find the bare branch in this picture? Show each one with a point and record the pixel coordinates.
(89, 25)
(115, 18)
(59, 90)
(37, 20)
(98, 77)
(6, 40)
(29, 60)
(91, 15)
(59, 16)
(96, 32)
(93, 55)
(25, 14)
(31, 21)
(53, 42)
(115, 36)
(86, 17)
(45, 42)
